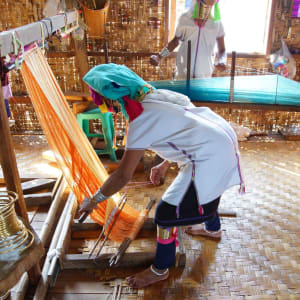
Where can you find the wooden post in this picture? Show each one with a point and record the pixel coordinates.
(11, 175)
(172, 17)
(106, 51)
(9, 163)
(231, 95)
(81, 60)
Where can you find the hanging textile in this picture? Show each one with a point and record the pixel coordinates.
(74, 154)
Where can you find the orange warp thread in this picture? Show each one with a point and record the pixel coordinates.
(80, 178)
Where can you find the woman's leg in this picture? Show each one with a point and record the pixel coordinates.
(165, 251)
(213, 224)
(211, 228)
(167, 217)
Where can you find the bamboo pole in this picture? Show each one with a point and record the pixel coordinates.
(42, 287)
(57, 185)
(49, 222)
(21, 287)
(62, 242)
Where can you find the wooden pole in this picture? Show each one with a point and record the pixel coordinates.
(231, 95)
(11, 175)
(81, 60)
(62, 244)
(116, 258)
(130, 260)
(48, 226)
(9, 163)
(106, 51)
(42, 287)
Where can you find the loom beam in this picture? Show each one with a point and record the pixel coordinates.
(31, 33)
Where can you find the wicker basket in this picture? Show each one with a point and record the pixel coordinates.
(95, 19)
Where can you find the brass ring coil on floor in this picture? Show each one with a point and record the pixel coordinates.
(13, 233)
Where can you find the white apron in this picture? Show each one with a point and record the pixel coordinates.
(202, 143)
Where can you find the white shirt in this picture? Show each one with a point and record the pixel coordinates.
(184, 134)
(188, 30)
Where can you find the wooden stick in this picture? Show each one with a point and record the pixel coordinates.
(130, 260)
(42, 287)
(57, 184)
(9, 162)
(110, 218)
(111, 227)
(147, 226)
(62, 243)
(48, 225)
(137, 226)
(233, 58)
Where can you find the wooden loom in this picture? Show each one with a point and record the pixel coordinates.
(10, 42)
(77, 159)
(83, 162)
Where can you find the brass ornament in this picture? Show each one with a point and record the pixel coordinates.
(14, 236)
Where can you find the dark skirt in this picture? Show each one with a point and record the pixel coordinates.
(187, 213)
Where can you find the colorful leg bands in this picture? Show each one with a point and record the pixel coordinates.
(166, 248)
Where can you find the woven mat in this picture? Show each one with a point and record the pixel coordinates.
(259, 254)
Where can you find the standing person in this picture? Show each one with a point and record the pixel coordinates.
(205, 32)
(201, 142)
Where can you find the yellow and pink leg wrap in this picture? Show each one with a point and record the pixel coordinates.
(166, 247)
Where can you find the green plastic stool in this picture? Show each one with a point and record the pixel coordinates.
(107, 128)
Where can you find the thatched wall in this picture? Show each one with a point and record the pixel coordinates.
(134, 30)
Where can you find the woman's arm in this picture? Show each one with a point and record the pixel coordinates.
(166, 51)
(222, 56)
(116, 181)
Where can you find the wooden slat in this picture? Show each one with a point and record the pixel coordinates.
(148, 225)
(37, 185)
(79, 107)
(38, 199)
(129, 260)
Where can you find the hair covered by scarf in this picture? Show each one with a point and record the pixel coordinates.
(119, 83)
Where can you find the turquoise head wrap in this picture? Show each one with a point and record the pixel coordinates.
(116, 81)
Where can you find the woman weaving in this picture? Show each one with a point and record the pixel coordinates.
(201, 142)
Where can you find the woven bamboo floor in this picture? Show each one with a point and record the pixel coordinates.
(258, 256)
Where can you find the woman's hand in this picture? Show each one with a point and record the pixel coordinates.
(87, 205)
(221, 67)
(158, 172)
(155, 60)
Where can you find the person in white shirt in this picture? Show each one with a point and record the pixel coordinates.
(205, 32)
(201, 142)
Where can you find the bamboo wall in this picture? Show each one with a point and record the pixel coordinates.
(135, 30)
(134, 27)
